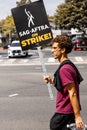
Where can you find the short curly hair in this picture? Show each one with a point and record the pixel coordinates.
(64, 42)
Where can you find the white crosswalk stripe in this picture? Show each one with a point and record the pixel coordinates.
(79, 59)
(51, 59)
(36, 61)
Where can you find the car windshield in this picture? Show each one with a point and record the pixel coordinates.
(15, 45)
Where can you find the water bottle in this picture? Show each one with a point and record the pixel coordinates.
(73, 126)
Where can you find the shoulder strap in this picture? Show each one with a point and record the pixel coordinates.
(79, 77)
(57, 80)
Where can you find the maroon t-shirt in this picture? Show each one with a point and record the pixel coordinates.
(68, 75)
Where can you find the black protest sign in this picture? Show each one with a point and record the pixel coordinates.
(32, 24)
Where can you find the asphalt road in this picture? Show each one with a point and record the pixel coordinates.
(46, 52)
(24, 99)
(78, 57)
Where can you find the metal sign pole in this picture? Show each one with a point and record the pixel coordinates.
(44, 71)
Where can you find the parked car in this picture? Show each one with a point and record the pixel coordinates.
(5, 46)
(71, 36)
(15, 50)
(79, 42)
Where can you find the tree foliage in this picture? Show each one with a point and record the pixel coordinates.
(7, 25)
(72, 14)
(22, 2)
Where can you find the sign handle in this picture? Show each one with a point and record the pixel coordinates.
(44, 71)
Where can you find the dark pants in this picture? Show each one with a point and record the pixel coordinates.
(60, 121)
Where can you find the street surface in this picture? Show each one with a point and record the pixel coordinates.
(78, 57)
(24, 99)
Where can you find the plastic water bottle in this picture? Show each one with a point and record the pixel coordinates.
(73, 126)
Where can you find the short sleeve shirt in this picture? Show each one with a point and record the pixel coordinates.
(67, 75)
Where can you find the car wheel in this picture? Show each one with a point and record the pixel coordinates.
(26, 54)
(9, 56)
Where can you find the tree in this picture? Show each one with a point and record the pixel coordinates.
(67, 1)
(8, 27)
(72, 14)
(22, 2)
(8, 24)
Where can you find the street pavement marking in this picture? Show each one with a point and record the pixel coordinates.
(13, 95)
(80, 66)
(11, 60)
(1, 60)
(0, 56)
(26, 60)
(23, 60)
(51, 59)
(79, 59)
(36, 61)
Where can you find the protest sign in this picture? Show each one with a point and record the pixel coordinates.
(32, 25)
